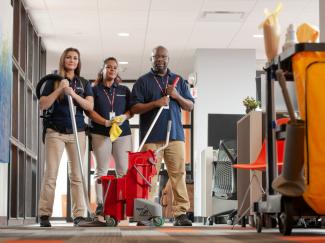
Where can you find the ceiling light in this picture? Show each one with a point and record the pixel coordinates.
(123, 63)
(258, 36)
(123, 34)
(222, 16)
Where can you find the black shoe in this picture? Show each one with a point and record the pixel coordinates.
(182, 220)
(99, 209)
(78, 220)
(44, 221)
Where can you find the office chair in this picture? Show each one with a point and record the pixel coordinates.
(260, 164)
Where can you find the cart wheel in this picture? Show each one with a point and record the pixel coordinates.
(205, 221)
(286, 217)
(280, 224)
(287, 223)
(210, 221)
(322, 222)
(243, 222)
(230, 222)
(274, 222)
(158, 221)
(258, 222)
(111, 222)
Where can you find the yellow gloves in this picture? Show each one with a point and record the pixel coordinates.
(115, 130)
(307, 33)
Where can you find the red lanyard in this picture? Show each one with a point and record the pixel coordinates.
(162, 91)
(111, 102)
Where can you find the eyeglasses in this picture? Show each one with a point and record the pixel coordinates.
(160, 56)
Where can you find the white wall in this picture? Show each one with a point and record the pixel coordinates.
(224, 78)
(322, 20)
(3, 189)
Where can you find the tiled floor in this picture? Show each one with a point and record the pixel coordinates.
(64, 232)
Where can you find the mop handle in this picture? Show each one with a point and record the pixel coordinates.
(156, 118)
(282, 81)
(142, 176)
(75, 132)
(169, 126)
(106, 193)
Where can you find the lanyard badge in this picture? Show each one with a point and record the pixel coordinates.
(111, 115)
(111, 102)
(164, 92)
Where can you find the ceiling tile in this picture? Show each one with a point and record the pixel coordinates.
(124, 5)
(213, 35)
(179, 5)
(226, 5)
(71, 5)
(123, 18)
(92, 26)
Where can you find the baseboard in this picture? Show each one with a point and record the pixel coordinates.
(30, 221)
(20, 221)
(15, 222)
(3, 221)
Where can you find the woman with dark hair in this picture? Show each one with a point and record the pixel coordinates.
(59, 134)
(111, 103)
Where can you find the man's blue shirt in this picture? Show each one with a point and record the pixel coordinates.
(150, 87)
(60, 116)
(120, 94)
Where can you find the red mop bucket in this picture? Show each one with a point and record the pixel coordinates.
(137, 181)
(114, 197)
(138, 178)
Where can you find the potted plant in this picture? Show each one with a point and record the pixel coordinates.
(251, 104)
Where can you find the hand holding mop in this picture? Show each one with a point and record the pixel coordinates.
(156, 118)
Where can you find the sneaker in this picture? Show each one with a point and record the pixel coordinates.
(78, 220)
(44, 221)
(97, 222)
(145, 223)
(99, 209)
(182, 220)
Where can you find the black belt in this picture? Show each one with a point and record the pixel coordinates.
(65, 130)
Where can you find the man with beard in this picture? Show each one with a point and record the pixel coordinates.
(149, 93)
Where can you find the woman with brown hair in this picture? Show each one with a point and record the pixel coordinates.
(59, 134)
(111, 102)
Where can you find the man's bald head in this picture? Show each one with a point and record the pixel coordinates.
(158, 48)
(160, 59)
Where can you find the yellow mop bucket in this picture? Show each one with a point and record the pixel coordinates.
(309, 75)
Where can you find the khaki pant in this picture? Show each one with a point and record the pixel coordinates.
(104, 149)
(54, 145)
(175, 162)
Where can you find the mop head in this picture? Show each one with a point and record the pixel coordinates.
(291, 188)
